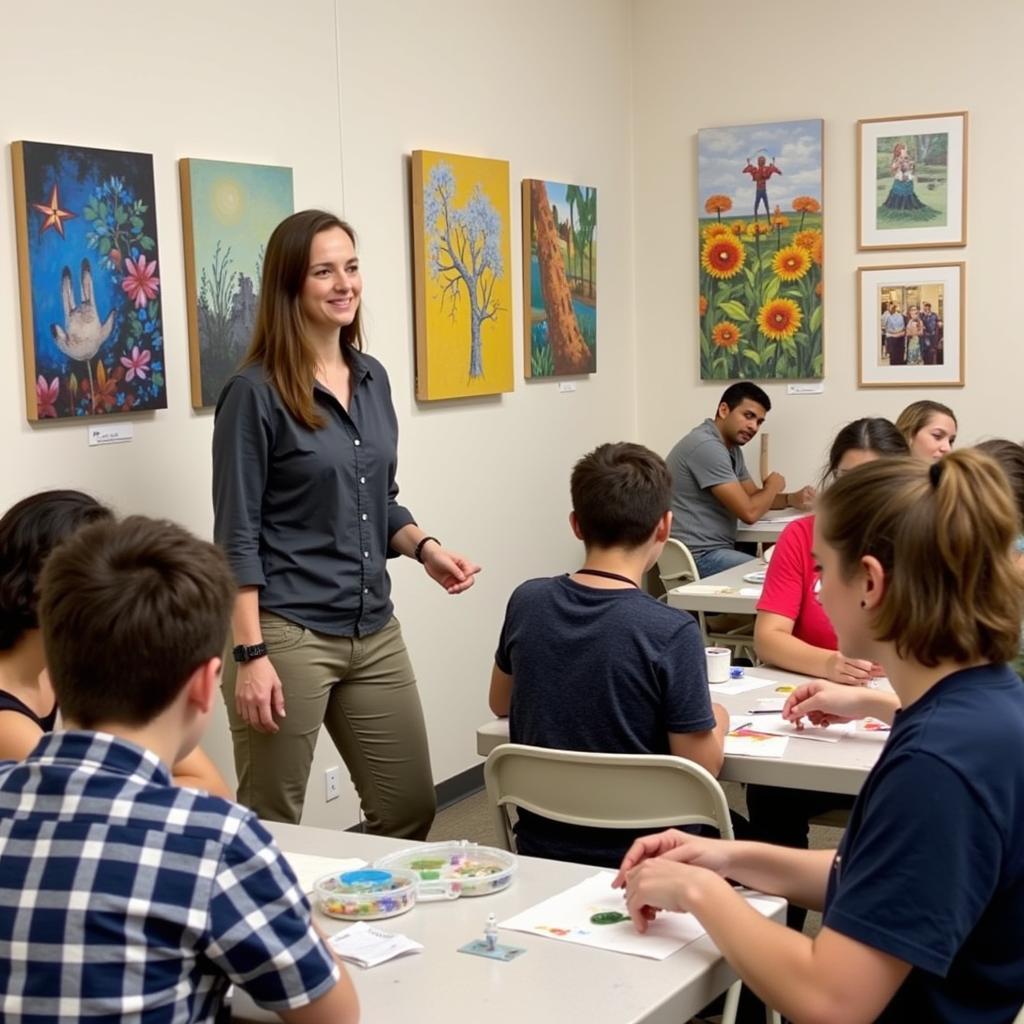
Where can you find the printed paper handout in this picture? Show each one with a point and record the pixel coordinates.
(367, 946)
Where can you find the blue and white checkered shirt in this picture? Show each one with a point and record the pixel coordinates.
(125, 897)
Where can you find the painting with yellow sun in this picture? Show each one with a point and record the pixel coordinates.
(462, 266)
(228, 213)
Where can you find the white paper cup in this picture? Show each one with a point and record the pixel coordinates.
(719, 660)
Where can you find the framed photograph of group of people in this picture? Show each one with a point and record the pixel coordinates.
(911, 325)
(912, 194)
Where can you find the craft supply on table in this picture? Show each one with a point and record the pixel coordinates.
(366, 946)
(489, 946)
(569, 917)
(718, 663)
(309, 868)
(736, 671)
(448, 870)
(367, 894)
(479, 947)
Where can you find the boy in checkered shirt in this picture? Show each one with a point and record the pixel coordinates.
(123, 896)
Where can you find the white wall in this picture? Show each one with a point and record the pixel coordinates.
(342, 92)
(704, 63)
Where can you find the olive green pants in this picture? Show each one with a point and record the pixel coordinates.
(363, 691)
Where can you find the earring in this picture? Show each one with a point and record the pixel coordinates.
(863, 604)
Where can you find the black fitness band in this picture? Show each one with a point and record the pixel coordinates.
(418, 553)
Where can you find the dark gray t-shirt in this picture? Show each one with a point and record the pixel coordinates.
(611, 671)
(697, 463)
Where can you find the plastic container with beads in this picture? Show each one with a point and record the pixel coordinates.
(367, 894)
(454, 869)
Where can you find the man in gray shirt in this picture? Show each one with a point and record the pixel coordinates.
(711, 487)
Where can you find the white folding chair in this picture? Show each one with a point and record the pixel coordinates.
(1019, 1019)
(677, 567)
(632, 791)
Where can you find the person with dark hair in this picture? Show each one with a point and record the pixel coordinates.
(929, 338)
(590, 662)
(124, 893)
(825, 702)
(923, 902)
(793, 632)
(711, 487)
(29, 531)
(305, 496)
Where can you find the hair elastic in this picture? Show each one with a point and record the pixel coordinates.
(934, 472)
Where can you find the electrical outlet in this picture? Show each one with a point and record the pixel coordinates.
(331, 784)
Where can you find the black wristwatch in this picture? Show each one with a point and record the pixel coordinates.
(243, 653)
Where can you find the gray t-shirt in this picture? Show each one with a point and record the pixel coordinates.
(697, 463)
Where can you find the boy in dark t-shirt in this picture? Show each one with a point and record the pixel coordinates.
(590, 662)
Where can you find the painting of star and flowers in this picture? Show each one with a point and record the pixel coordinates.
(92, 328)
(761, 251)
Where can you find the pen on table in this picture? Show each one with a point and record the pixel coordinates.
(765, 711)
(741, 725)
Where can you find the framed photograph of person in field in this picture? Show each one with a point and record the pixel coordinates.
(912, 181)
(911, 326)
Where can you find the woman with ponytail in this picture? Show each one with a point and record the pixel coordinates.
(923, 903)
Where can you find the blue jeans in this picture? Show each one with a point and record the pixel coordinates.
(719, 559)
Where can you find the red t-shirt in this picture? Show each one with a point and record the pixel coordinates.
(789, 586)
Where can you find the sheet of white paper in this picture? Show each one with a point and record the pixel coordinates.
(871, 729)
(737, 685)
(755, 745)
(703, 589)
(776, 725)
(308, 867)
(750, 591)
(567, 915)
(768, 705)
(788, 517)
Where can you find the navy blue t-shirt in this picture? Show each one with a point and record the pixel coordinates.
(931, 868)
(608, 671)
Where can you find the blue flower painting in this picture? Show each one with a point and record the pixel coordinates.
(92, 326)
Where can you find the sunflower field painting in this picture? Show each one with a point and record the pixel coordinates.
(761, 250)
(92, 324)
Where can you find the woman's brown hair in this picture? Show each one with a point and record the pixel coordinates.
(279, 339)
(943, 535)
(917, 415)
(1010, 457)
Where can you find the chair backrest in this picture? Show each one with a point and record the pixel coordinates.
(676, 565)
(1019, 1019)
(633, 791)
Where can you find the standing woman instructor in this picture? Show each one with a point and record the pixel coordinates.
(305, 506)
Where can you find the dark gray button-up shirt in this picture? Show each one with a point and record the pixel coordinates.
(306, 515)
